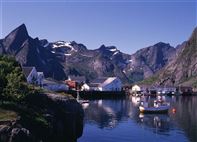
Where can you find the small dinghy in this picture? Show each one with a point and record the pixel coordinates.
(157, 108)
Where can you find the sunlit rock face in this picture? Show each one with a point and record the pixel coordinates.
(182, 70)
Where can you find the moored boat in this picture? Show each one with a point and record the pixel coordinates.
(157, 108)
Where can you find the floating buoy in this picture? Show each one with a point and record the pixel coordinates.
(174, 110)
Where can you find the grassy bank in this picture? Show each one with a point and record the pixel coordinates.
(7, 115)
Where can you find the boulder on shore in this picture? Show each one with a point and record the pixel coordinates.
(63, 114)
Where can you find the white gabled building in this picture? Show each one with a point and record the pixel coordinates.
(106, 84)
(136, 88)
(32, 76)
(85, 87)
(40, 78)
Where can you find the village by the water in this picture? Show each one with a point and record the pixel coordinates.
(157, 111)
(98, 70)
(110, 87)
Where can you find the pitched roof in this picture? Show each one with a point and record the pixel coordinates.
(108, 80)
(103, 80)
(27, 71)
(99, 80)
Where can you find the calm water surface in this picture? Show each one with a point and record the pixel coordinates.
(120, 121)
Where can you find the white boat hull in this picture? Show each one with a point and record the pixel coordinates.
(160, 109)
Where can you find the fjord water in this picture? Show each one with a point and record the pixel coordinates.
(120, 121)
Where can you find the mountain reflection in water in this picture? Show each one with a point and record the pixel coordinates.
(120, 120)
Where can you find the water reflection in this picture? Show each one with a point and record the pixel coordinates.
(108, 114)
(158, 123)
(186, 115)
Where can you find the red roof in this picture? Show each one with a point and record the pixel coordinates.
(71, 84)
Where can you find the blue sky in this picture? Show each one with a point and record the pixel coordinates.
(127, 24)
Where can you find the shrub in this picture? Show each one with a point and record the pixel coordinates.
(12, 80)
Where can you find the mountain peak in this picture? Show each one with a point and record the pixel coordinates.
(195, 30)
(20, 30)
(22, 26)
(161, 44)
(193, 36)
(103, 47)
(15, 39)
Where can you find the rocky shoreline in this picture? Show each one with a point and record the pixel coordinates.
(62, 115)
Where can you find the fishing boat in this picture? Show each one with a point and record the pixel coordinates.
(157, 108)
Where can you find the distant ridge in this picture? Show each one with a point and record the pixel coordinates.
(60, 59)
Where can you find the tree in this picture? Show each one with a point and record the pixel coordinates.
(15, 89)
(12, 86)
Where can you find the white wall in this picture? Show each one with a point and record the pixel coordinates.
(40, 78)
(85, 87)
(32, 76)
(136, 88)
(35, 78)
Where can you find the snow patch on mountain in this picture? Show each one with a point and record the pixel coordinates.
(113, 49)
(47, 44)
(115, 53)
(60, 44)
(67, 54)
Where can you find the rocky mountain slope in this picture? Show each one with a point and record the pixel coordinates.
(147, 61)
(182, 70)
(29, 52)
(60, 59)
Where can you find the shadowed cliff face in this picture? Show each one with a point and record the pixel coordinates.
(62, 116)
(147, 61)
(109, 61)
(183, 68)
(155, 56)
(29, 52)
(60, 59)
(13, 42)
